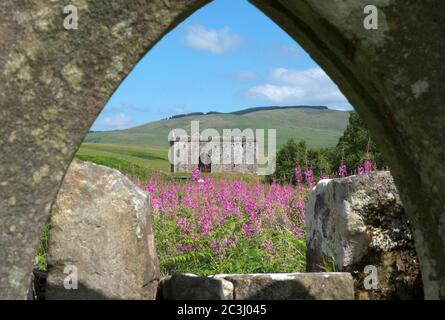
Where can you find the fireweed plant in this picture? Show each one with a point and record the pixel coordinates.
(210, 225)
(207, 226)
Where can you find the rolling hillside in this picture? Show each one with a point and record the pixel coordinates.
(319, 127)
(134, 160)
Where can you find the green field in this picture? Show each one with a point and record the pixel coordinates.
(134, 160)
(320, 128)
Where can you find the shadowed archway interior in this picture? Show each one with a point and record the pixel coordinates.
(54, 82)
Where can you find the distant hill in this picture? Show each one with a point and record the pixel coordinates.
(246, 111)
(318, 125)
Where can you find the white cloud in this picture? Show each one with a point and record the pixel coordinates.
(200, 38)
(117, 122)
(303, 87)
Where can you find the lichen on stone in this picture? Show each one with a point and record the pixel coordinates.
(73, 75)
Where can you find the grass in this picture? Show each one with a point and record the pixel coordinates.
(329, 265)
(43, 247)
(135, 161)
(245, 257)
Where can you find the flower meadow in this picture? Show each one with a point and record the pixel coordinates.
(210, 225)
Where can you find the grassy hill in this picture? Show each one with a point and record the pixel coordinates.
(135, 160)
(319, 127)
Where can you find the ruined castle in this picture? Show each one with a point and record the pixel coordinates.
(213, 154)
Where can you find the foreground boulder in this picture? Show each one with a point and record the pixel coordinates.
(101, 225)
(359, 221)
(285, 286)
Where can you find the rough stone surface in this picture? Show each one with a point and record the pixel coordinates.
(359, 221)
(219, 155)
(54, 82)
(284, 286)
(101, 224)
(192, 287)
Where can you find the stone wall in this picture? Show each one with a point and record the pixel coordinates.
(219, 153)
(279, 286)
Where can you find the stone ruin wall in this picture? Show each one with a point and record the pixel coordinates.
(218, 165)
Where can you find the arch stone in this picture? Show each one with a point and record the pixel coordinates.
(54, 82)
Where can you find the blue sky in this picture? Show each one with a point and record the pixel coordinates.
(225, 57)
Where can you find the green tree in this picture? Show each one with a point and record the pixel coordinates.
(355, 146)
(294, 154)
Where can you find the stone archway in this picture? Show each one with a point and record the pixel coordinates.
(54, 82)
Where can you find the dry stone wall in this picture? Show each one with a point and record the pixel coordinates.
(280, 286)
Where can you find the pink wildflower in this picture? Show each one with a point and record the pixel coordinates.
(196, 175)
(309, 178)
(298, 176)
(368, 166)
(342, 170)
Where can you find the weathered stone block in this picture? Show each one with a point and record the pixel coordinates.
(286, 286)
(358, 221)
(292, 286)
(192, 287)
(101, 225)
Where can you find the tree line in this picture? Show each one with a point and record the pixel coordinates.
(354, 149)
